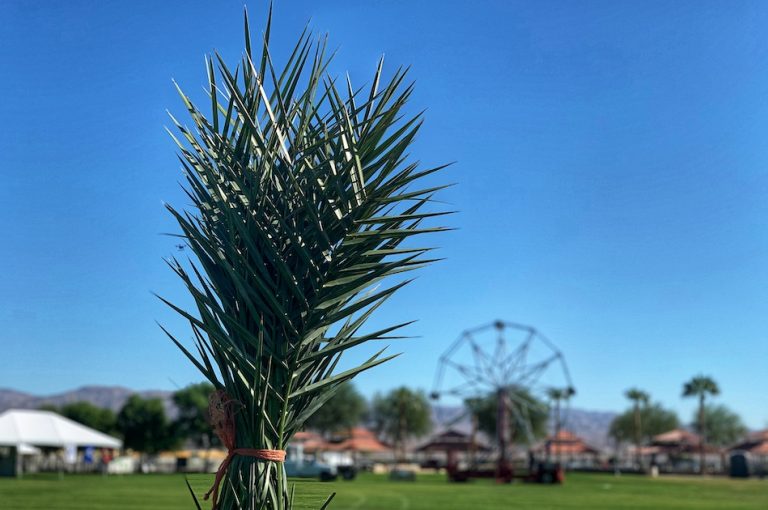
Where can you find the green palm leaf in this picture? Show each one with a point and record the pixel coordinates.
(304, 201)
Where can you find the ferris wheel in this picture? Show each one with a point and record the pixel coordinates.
(514, 362)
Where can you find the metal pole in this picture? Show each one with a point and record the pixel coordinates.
(502, 433)
(557, 431)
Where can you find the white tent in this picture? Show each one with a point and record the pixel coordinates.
(44, 428)
(28, 449)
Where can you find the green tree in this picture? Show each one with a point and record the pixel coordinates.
(144, 425)
(192, 421)
(98, 418)
(343, 411)
(639, 399)
(527, 417)
(700, 387)
(655, 420)
(401, 414)
(724, 427)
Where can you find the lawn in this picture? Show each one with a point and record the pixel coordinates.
(168, 492)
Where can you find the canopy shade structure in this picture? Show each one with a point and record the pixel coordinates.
(48, 429)
(453, 441)
(27, 449)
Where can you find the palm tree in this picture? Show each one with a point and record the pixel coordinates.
(639, 399)
(701, 386)
(305, 202)
(558, 395)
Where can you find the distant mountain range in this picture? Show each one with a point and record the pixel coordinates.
(592, 426)
(109, 397)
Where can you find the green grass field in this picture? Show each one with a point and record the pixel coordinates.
(593, 492)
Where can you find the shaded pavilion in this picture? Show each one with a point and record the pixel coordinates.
(677, 450)
(360, 440)
(756, 443)
(453, 446)
(566, 446)
(756, 446)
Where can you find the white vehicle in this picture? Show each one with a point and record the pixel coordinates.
(299, 466)
(342, 461)
(122, 466)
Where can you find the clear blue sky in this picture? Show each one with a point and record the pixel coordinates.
(612, 181)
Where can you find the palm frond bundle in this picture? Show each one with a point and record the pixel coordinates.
(304, 199)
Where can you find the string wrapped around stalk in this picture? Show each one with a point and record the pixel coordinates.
(222, 414)
(304, 207)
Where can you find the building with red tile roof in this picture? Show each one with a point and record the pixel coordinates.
(566, 443)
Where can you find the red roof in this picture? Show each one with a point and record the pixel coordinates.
(756, 443)
(360, 445)
(361, 433)
(359, 439)
(681, 441)
(565, 435)
(311, 441)
(760, 435)
(676, 437)
(305, 435)
(566, 443)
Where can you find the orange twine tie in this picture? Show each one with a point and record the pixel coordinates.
(220, 408)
